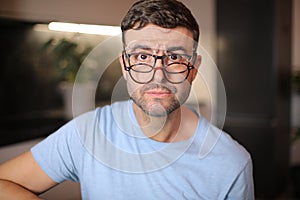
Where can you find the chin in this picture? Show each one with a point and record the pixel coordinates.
(160, 110)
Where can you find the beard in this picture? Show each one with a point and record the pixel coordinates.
(157, 107)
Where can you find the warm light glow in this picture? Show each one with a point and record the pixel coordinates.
(85, 28)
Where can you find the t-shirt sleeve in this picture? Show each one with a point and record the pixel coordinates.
(57, 154)
(243, 187)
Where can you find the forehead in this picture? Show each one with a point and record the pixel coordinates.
(153, 36)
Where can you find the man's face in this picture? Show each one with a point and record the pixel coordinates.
(159, 97)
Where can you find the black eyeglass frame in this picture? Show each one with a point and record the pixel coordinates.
(163, 68)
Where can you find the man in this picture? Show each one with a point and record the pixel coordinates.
(150, 147)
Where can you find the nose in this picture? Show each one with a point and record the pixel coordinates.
(159, 75)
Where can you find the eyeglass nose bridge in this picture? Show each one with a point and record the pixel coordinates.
(162, 61)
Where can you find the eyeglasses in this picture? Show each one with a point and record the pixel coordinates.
(175, 67)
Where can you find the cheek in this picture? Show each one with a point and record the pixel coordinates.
(183, 91)
(132, 87)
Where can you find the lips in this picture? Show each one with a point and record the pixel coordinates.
(155, 90)
(158, 93)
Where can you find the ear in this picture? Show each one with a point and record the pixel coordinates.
(197, 64)
(198, 61)
(124, 72)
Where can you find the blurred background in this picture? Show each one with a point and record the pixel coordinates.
(255, 45)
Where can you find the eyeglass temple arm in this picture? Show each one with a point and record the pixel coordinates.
(124, 54)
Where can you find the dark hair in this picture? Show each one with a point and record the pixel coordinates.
(164, 13)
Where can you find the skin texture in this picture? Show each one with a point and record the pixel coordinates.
(22, 178)
(157, 104)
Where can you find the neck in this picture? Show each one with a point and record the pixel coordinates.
(174, 127)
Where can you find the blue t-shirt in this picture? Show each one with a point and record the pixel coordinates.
(106, 151)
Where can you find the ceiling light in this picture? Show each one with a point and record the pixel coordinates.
(85, 28)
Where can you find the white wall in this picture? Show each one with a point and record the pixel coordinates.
(205, 84)
(80, 11)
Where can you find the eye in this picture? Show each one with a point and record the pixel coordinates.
(178, 58)
(143, 57)
(174, 57)
(140, 58)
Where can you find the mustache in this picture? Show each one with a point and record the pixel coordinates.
(151, 86)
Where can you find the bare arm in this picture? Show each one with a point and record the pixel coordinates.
(22, 178)
(13, 191)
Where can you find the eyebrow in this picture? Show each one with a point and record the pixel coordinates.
(141, 46)
(148, 48)
(177, 48)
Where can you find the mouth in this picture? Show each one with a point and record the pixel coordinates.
(158, 91)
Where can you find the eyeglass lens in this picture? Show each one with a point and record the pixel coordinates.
(176, 67)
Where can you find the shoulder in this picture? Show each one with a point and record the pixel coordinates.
(220, 146)
(105, 114)
(231, 145)
(101, 122)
